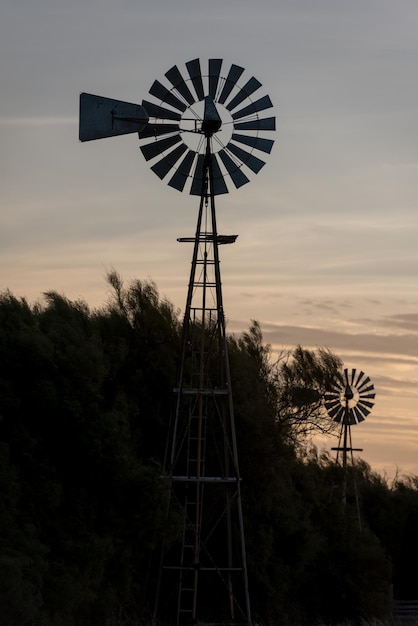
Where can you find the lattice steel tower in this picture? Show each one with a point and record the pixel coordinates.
(202, 131)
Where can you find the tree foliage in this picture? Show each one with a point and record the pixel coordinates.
(85, 401)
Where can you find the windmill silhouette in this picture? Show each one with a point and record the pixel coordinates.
(348, 403)
(201, 131)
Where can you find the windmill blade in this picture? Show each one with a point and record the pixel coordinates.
(237, 175)
(336, 388)
(231, 80)
(219, 186)
(264, 145)
(178, 82)
(365, 412)
(179, 178)
(332, 396)
(349, 417)
(353, 373)
(369, 388)
(153, 149)
(369, 396)
(338, 414)
(155, 130)
(346, 376)
(357, 414)
(218, 182)
(335, 411)
(162, 93)
(196, 188)
(193, 67)
(362, 402)
(159, 112)
(359, 377)
(101, 117)
(162, 167)
(254, 107)
(366, 381)
(249, 88)
(214, 71)
(254, 163)
(268, 123)
(332, 404)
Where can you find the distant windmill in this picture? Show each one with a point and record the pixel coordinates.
(202, 131)
(348, 403)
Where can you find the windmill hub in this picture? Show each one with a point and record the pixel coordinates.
(196, 123)
(349, 393)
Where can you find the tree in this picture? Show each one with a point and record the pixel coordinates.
(302, 378)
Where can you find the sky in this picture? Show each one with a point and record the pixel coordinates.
(327, 252)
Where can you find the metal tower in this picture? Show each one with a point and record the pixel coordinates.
(201, 130)
(349, 403)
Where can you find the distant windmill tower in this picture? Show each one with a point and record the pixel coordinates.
(348, 403)
(202, 132)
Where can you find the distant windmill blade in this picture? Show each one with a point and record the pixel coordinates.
(358, 414)
(365, 382)
(350, 399)
(349, 417)
(347, 382)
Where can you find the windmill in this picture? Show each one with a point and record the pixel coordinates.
(203, 132)
(349, 402)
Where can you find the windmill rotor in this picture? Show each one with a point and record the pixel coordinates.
(193, 106)
(349, 402)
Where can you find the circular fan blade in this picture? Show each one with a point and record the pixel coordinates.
(351, 396)
(195, 74)
(219, 185)
(246, 91)
(178, 82)
(268, 123)
(209, 121)
(214, 72)
(162, 93)
(231, 80)
(197, 182)
(247, 158)
(349, 417)
(160, 112)
(151, 150)
(237, 175)
(179, 178)
(358, 414)
(162, 167)
(255, 107)
(264, 145)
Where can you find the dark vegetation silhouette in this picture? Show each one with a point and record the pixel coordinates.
(85, 402)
